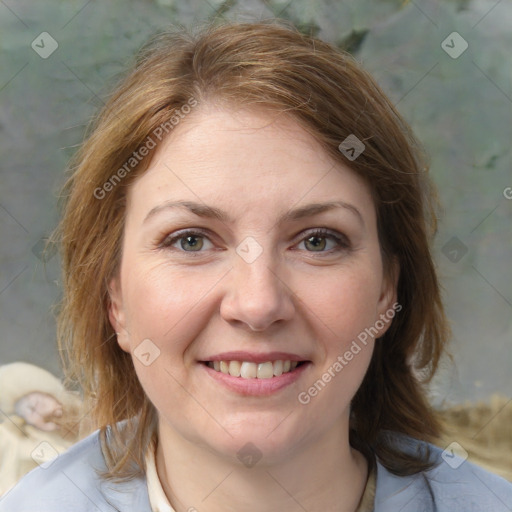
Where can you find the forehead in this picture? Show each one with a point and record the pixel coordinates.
(245, 158)
(250, 137)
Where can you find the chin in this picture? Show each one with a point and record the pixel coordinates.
(267, 439)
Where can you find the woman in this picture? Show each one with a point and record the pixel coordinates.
(250, 304)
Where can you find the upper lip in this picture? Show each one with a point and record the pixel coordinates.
(255, 357)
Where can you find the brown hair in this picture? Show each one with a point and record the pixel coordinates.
(270, 65)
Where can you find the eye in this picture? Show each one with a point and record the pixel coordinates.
(187, 241)
(320, 239)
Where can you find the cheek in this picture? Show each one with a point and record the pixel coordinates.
(344, 309)
(170, 307)
(345, 302)
(158, 299)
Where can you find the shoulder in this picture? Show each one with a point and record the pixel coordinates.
(452, 485)
(72, 482)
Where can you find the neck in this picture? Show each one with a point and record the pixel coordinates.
(325, 474)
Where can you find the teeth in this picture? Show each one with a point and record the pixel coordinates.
(278, 368)
(234, 368)
(265, 371)
(249, 370)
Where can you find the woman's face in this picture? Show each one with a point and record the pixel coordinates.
(238, 278)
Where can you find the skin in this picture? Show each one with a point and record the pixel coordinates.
(311, 300)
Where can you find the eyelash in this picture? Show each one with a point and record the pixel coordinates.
(341, 241)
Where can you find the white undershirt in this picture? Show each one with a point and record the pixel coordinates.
(157, 498)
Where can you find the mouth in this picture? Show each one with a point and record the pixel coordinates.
(257, 375)
(252, 370)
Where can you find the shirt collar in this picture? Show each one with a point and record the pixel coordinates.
(157, 498)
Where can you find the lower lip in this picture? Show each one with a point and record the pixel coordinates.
(256, 387)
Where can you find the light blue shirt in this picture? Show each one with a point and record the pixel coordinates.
(70, 484)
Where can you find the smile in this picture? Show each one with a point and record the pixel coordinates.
(252, 378)
(250, 370)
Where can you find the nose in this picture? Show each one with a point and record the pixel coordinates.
(258, 295)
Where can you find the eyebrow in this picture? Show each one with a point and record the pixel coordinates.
(203, 210)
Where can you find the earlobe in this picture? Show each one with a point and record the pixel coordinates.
(391, 280)
(388, 303)
(116, 314)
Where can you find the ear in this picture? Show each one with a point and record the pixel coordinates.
(388, 306)
(116, 313)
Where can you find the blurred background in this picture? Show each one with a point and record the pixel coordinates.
(446, 64)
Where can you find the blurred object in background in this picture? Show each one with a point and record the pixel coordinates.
(484, 431)
(40, 420)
